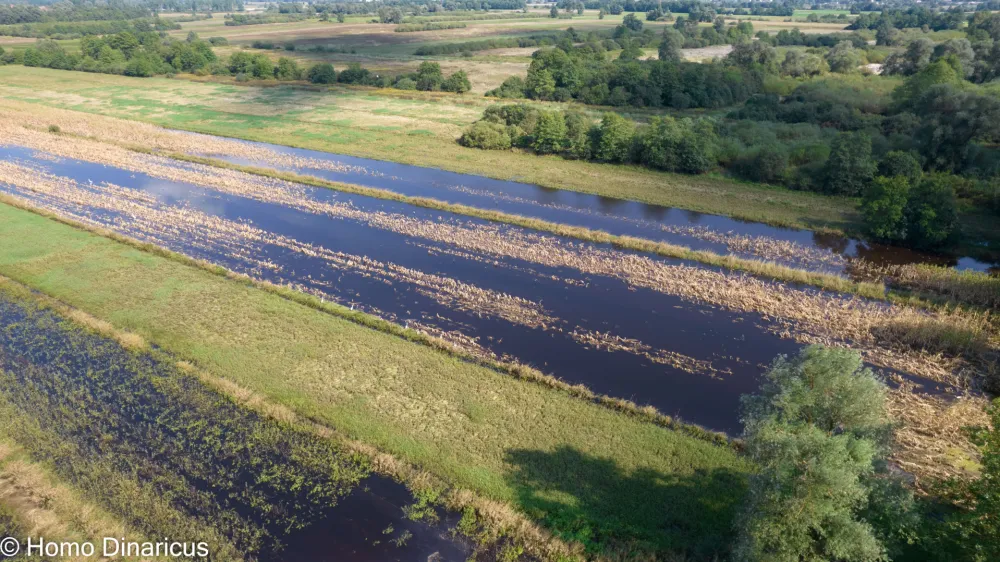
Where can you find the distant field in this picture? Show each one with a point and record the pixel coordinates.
(409, 127)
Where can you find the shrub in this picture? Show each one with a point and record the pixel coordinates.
(322, 73)
(457, 82)
(486, 135)
(54, 129)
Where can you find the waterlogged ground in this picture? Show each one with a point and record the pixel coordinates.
(802, 249)
(171, 458)
(686, 339)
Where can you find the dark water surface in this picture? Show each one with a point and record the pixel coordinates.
(132, 417)
(713, 355)
(700, 231)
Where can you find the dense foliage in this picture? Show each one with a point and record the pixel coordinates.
(819, 430)
(72, 30)
(132, 54)
(584, 73)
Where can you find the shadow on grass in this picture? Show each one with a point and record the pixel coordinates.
(594, 501)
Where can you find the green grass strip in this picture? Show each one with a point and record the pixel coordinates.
(585, 471)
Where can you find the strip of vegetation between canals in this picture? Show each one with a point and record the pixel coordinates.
(760, 268)
(645, 413)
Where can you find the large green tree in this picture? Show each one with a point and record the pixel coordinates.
(819, 431)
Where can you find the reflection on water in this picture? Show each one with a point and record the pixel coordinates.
(804, 248)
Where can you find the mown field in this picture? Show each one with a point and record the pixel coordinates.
(584, 471)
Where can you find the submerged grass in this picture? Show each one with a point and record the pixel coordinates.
(155, 446)
(603, 478)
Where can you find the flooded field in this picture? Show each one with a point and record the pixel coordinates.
(793, 247)
(173, 458)
(686, 339)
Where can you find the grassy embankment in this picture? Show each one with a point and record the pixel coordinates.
(582, 470)
(405, 127)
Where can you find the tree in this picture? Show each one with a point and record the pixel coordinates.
(670, 47)
(931, 212)
(843, 58)
(850, 168)
(322, 73)
(550, 133)
(883, 207)
(458, 82)
(799, 64)
(752, 55)
(579, 130)
(540, 85)
(287, 69)
(937, 72)
(632, 23)
(554, 12)
(899, 163)
(915, 58)
(614, 142)
(341, 17)
(600, 15)
(818, 430)
(429, 76)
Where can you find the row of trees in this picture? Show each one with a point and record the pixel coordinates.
(132, 54)
(66, 11)
(428, 77)
(820, 434)
(800, 156)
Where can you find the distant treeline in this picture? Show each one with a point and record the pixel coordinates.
(259, 19)
(411, 27)
(917, 17)
(65, 12)
(702, 11)
(584, 72)
(131, 54)
(486, 44)
(75, 29)
(433, 17)
(257, 66)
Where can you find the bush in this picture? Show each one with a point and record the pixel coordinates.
(457, 82)
(322, 73)
(406, 84)
(54, 129)
(486, 135)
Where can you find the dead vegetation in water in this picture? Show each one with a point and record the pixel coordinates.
(953, 347)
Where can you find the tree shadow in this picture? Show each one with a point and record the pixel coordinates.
(611, 510)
